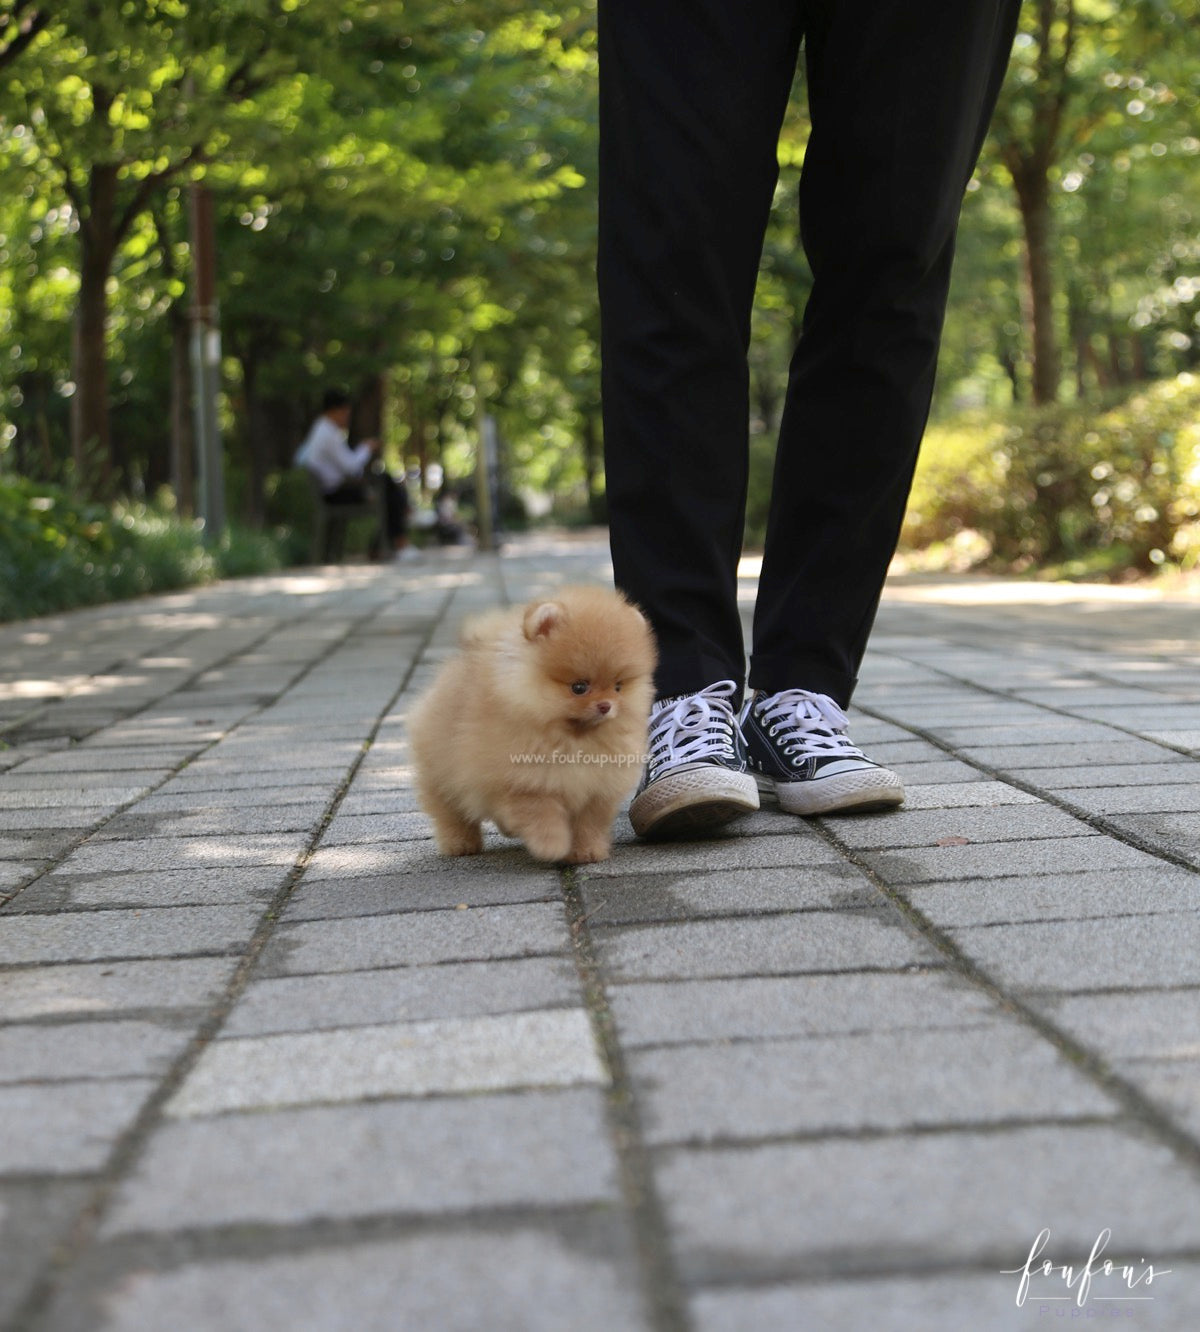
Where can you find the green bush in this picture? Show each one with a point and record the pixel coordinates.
(1097, 487)
(57, 552)
(292, 513)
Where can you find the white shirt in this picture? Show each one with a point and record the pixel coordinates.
(329, 457)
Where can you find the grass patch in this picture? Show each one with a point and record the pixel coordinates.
(57, 552)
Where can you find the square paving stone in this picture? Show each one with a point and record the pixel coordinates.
(328, 899)
(676, 896)
(887, 1080)
(229, 778)
(998, 860)
(89, 936)
(1048, 729)
(1167, 769)
(366, 801)
(1148, 1023)
(1127, 952)
(925, 1200)
(32, 846)
(363, 998)
(451, 1055)
(1090, 894)
(358, 829)
(774, 945)
(404, 1158)
(1177, 797)
(523, 1279)
(135, 824)
(164, 888)
(940, 772)
(43, 1053)
(15, 822)
(176, 853)
(62, 1128)
(13, 873)
(1178, 833)
(417, 938)
(982, 1302)
(79, 759)
(417, 857)
(167, 801)
(1013, 823)
(70, 796)
(112, 987)
(745, 1008)
(1173, 1083)
(33, 1216)
(1118, 749)
(798, 843)
(983, 794)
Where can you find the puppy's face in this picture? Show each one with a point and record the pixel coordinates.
(595, 662)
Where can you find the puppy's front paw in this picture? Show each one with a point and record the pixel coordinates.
(460, 842)
(548, 844)
(588, 852)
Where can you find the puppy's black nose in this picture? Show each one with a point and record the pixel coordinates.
(604, 707)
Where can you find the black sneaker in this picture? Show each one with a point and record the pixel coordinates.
(696, 777)
(798, 749)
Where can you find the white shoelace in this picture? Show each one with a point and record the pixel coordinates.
(695, 727)
(805, 724)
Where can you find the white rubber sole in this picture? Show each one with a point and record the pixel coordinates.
(689, 803)
(840, 793)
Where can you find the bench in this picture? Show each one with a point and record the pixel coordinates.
(331, 521)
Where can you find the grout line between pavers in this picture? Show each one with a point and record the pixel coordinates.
(246, 1241)
(662, 1288)
(121, 1159)
(855, 1265)
(1134, 1101)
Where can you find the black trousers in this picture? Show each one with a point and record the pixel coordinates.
(692, 96)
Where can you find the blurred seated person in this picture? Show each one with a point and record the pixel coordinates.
(448, 528)
(342, 472)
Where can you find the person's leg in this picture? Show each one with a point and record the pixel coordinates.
(396, 508)
(692, 95)
(900, 95)
(349, 492)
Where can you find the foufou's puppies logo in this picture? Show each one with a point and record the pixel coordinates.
(1097, 1279)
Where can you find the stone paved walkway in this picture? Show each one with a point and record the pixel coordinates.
(266, 1062)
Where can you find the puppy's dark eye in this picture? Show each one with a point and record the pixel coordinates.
(617, 686)
(580, 687)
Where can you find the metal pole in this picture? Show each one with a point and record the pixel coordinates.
(206, 364)
(485, 463)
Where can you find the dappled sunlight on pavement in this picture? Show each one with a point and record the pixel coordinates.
(266, 1056)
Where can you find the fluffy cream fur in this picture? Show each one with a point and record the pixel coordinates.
(538, 724)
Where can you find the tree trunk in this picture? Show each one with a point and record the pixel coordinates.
(257, 444)
(1116, 367)
(183, 436)
(91, 441)
(368, 410)
(1033, 200)
(418, 437)
(1012, 368)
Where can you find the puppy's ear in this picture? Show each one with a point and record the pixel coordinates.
(542, 618)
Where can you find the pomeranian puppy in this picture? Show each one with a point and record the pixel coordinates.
(538, 724)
